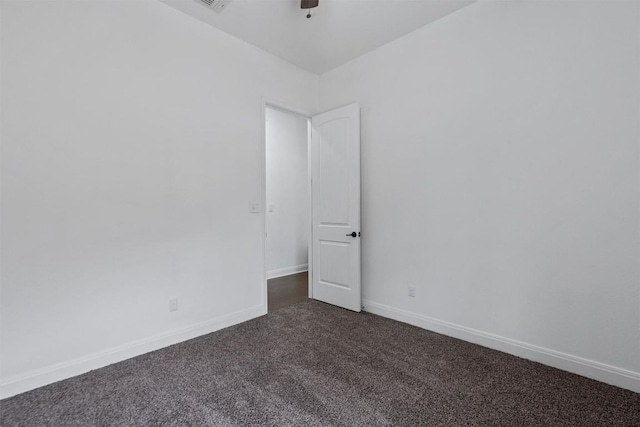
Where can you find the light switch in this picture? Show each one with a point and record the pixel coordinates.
(254, 207)
(271, 208)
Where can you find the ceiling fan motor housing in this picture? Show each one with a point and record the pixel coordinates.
(308, 4)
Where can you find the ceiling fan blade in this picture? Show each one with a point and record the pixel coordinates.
(308, 4)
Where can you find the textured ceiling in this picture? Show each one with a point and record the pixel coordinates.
(338, 31)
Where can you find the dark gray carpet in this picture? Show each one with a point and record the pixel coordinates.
(312, 364)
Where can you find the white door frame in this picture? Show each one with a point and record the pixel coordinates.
(276, 105)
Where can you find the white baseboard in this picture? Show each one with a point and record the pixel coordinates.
(60, 371)
(619, 377)
(599, 371)
(279, 272)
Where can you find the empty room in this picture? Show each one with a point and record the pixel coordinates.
(319, 213)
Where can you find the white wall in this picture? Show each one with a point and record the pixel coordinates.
(287, 185)
(131, 147)
(500, 176)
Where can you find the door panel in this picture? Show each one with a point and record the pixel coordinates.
(335, 171)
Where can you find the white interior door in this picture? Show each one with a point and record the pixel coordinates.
(335, 189)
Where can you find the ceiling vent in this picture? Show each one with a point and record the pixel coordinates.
(217, 5)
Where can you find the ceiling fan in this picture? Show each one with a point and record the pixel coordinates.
(308, 4)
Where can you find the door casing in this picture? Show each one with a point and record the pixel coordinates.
(267, 103)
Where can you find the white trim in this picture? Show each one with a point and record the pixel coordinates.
(286, 271)
(283, 107)
(588, 368)
(60, 371)
(310, 210)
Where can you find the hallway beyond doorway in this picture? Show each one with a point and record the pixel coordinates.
(287, 290)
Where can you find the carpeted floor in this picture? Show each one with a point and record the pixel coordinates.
(312, 364)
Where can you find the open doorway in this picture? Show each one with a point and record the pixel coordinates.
(287, 213)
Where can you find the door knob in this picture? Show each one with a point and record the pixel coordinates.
(354, 234)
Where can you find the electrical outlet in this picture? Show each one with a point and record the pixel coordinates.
(173, 304)
(412, 291)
